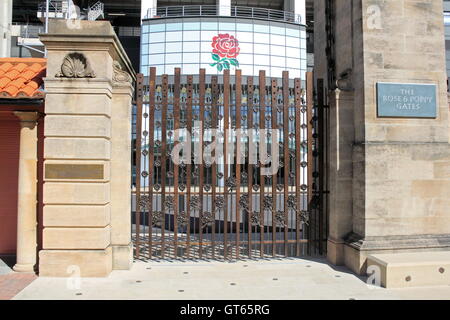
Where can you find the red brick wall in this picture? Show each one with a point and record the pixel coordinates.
(9, 161)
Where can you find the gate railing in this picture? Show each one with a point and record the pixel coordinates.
(207, 205)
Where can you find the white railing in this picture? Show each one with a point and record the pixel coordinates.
(96, 11)
(211, 10)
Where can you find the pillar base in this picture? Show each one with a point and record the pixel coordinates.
(66, 263)
(358, 249)
(335, 252)
(122, 256)
(24, 268)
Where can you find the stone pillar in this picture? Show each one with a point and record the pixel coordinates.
(27, 193)
(389, 175)
(122, 95)
(81, 102)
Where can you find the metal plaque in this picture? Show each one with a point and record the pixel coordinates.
(406, 100)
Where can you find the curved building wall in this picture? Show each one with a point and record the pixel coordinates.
(187, 43)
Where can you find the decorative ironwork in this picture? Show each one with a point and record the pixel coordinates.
(219, 202)
(292, 202)
(195, 202)
(267, 203)
(243, 202)
(207, 219)
(255, 218)
(280, 219)
(303, 217)
(182, 219)
(231, 183)
(144, 202)
(169, 203)
(157, 217)
(267, 217)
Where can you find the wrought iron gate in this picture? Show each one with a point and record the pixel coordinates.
(210, 210)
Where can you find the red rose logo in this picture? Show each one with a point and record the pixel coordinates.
(225, 50)
(225, 46)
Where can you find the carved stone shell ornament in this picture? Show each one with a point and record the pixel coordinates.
(120, 75)
(75, 65)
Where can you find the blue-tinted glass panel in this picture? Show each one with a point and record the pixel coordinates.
(246, 69)
(154, 59)
(303, 43)
(190, 68)
(205, 57)
(293, 42)
(278, 40)
(191, 46)
(145, 28)
(157, 37)
(246, 47)
(276, 72)
(244, 27)
(292, 32)
(226, 26)
(277, 30)
(245, 36)
(208, 35)
(209, 26)
(191, 57)
(191, 35)
(191, 26)
(261, 38)
(174, 46)
(156, 48)
(303, 64)
(174, 36)
(173, 58)
(261, 28)
(170, 68)
(293, 52)
(278, 50)
(205, 46)
(174, 27)
(157, 27)
(262, 59)
(144, 48)
(144, 59)
(261, 48)
(293, 63)
(278, 61)
(245, 58)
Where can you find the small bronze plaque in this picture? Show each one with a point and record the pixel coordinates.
(74, 171)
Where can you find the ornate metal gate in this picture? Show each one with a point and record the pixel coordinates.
(204, 209)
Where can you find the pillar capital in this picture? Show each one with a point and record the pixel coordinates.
(27, 118)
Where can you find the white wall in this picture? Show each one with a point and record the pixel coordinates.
(146, 5)
(5, 28)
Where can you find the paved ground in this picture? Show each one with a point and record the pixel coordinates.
(243, 280)
(12, 283)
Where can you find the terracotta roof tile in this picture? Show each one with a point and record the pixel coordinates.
(22, 77)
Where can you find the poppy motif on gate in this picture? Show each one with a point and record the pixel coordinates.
(224, 52)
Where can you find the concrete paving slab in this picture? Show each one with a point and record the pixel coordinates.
(294, 279)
